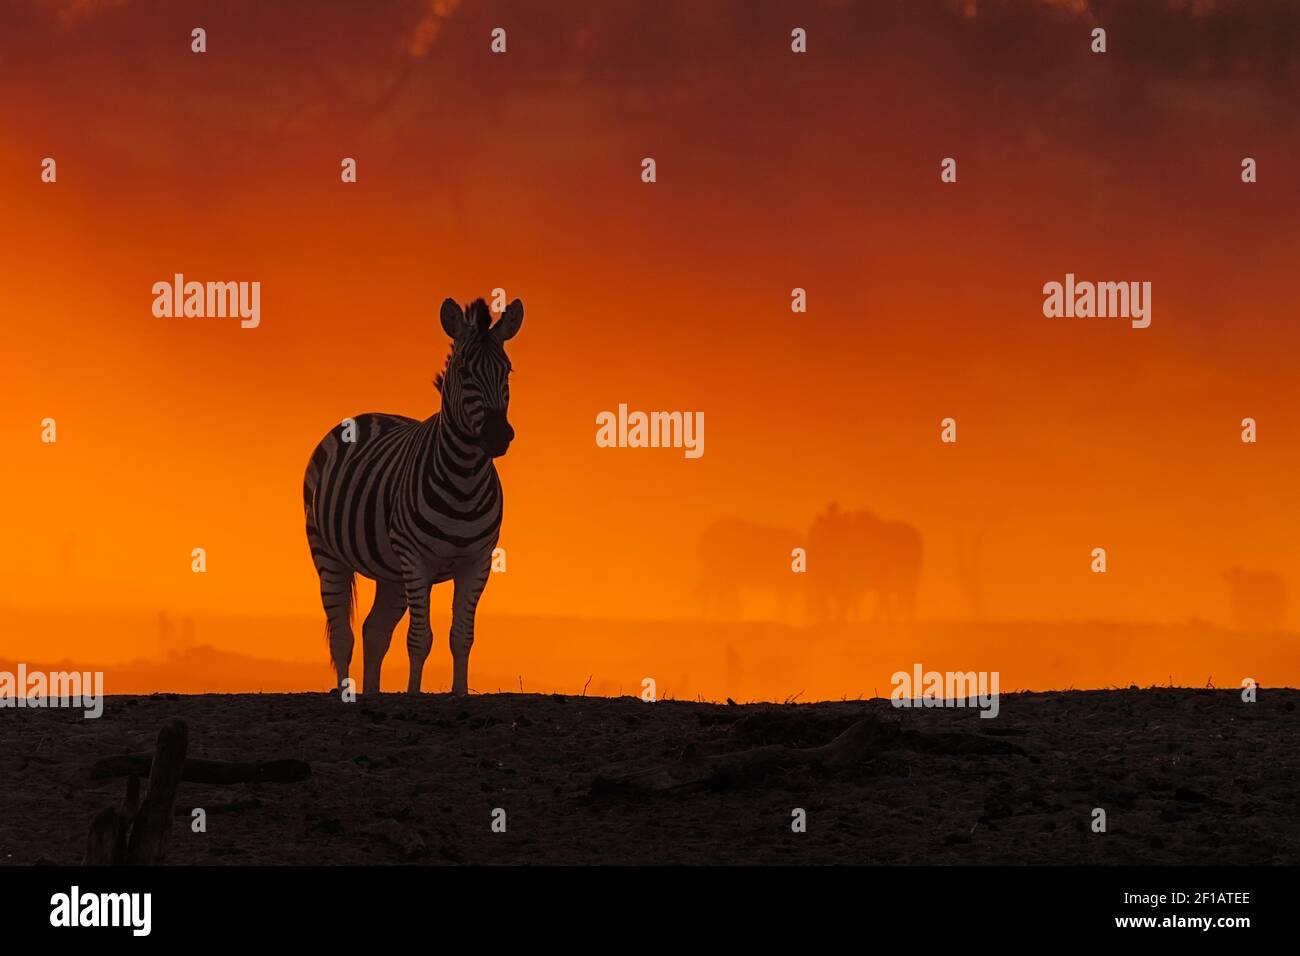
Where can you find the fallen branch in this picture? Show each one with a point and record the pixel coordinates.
(858, 742)
(195, 770)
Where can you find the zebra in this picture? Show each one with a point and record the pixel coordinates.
(414, 503)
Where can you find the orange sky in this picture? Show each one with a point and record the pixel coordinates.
(775, 171)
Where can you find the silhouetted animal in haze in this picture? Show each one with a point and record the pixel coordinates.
(852, 554)
(413, 503)
(739, 557)
(1258, 599)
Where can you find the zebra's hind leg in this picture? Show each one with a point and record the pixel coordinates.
(419, 636)
(377, 631)
(337, 582)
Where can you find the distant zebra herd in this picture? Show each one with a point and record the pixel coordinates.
(413, 503)
(858, 566)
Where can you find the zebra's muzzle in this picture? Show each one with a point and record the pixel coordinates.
(496, 434)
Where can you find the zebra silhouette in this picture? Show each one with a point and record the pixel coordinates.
(413, 503)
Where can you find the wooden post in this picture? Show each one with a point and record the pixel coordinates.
(148, 843)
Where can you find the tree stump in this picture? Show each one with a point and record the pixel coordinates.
(136, 832)
(131, 835)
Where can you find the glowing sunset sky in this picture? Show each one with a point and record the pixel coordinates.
(775, 170)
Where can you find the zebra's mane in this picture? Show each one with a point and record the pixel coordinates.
(477, 315)
(478, 318)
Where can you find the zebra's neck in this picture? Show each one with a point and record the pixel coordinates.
(455, 458)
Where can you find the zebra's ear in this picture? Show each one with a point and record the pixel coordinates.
(511, 319)
(453, 319)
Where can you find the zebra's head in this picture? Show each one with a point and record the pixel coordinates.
(475, 384)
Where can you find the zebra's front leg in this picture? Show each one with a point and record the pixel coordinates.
(468, 588)
(419, 636)
(377, 632)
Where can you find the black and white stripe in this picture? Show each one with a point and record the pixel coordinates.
(413, 503)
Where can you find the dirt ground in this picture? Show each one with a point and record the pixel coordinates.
(1184, 776)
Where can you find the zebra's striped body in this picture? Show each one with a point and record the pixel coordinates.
(414, 503)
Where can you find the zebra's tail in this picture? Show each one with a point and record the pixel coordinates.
(320, 557)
